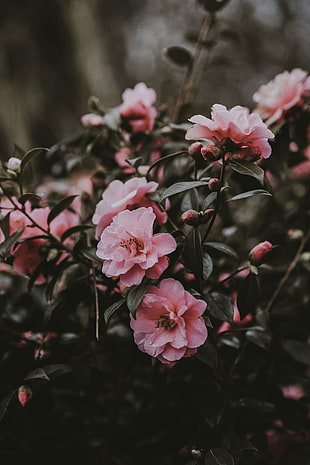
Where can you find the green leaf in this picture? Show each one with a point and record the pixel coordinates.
(164, 159)
(178, 55)
(299, 351)
(4, 179)
(222, 248)
(62, 205)
(218, 457)
(5, 225)
(212, 405)
(6, 246)
(248, 295)
(5, 402)
(253, 193)
(112, 309)
(220, 306)
(135, 297)
(209, 200)
(259, 338)
(247, 168)
(76, 229)
(207, 354)
(30, 155)
(229, 340)
(192, 253)
(207, 265)
(38, 373)
(179, 187)
(56, 369)
(29, 196)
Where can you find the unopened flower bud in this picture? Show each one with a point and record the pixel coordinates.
(14, 165)
(214, 184)
(191, 217)
(295, 234)
(259, 252)
(24, 395)
(211, 153)
(195, 149)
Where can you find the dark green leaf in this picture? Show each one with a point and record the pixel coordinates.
(90, 254)
(56, 276)
(300, 351)
(134, 162)
(192, 253)
(30, 155)
(135, 296)
(248, 295)
(112, 309)
(38, 373)
(178, 55)
(76, 229)
(62, 205)
(218, 457)
(229, 340)
(5, 225)
(253, 193)
(248, 168)
(220, 306)
(207, 201)
(5, 402)
(212, 405)
(56, 369)
(4, 179)
(181, 187)
(207, 354)
(164, 159)
(259, 338)
(222, 248)
(29, 196)
(6, 246)
(207, 264)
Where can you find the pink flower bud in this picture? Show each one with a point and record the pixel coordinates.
(195, 149)
(191, 217)
(214, 184)
(211, 153)
(24, 395)
(257, 254)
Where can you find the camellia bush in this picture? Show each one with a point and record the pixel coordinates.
(154, 282)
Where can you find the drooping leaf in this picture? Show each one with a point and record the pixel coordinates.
(5, 402)
(6, 246)
(208, 201)
(178, 55)
(56, 369)
(222, 248)
(135, 296)
(299, 351)
(248, 168)
(5, 226)
(76, 229)
(220, 306)
(30, 155)
(192, 253)
(62, 205)
(112, 309)
(29, 196)
(38, 373)
(218, 457)
(252, 193)
(259, 338)
(164, 160)
(179, 187)
(207, 265)
(248, 295)
(207, 354)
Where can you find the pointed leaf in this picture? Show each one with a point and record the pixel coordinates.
(207, 354)
(248, 295)
(5, 402)
(76, 229)
(248, 168)
(252, 193)
(222, 248)
(259, 337)
(38, 373)
(179, 187)
(62, 205)
(300, 351)
(178, 55)
(30, 155)
(6, 246)
(164, 159)
(192, 253)
(112, 309)
(209, 200)
(218, 457)
(207, 264)
(220, 306)
(135, 297)
(56, 369)
(29, 196)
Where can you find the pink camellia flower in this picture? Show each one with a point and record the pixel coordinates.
(125, 196)
(130, 249)
(168, 323)
(285, 91)
(235, 132)
(137, 107)
(31, 252)
(259, 252)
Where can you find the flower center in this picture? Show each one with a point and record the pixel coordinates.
(165, 322)
(132, 245)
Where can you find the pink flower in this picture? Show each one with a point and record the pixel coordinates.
(91, 120)
(125, 196)
(32, 252)
(168, 323)
(285, 91)
(235, 131)
(137, 107)
(130, 249)
(259, 252)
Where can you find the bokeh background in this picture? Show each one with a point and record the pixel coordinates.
(55, 54)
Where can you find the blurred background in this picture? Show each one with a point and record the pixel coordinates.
(55, 54)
